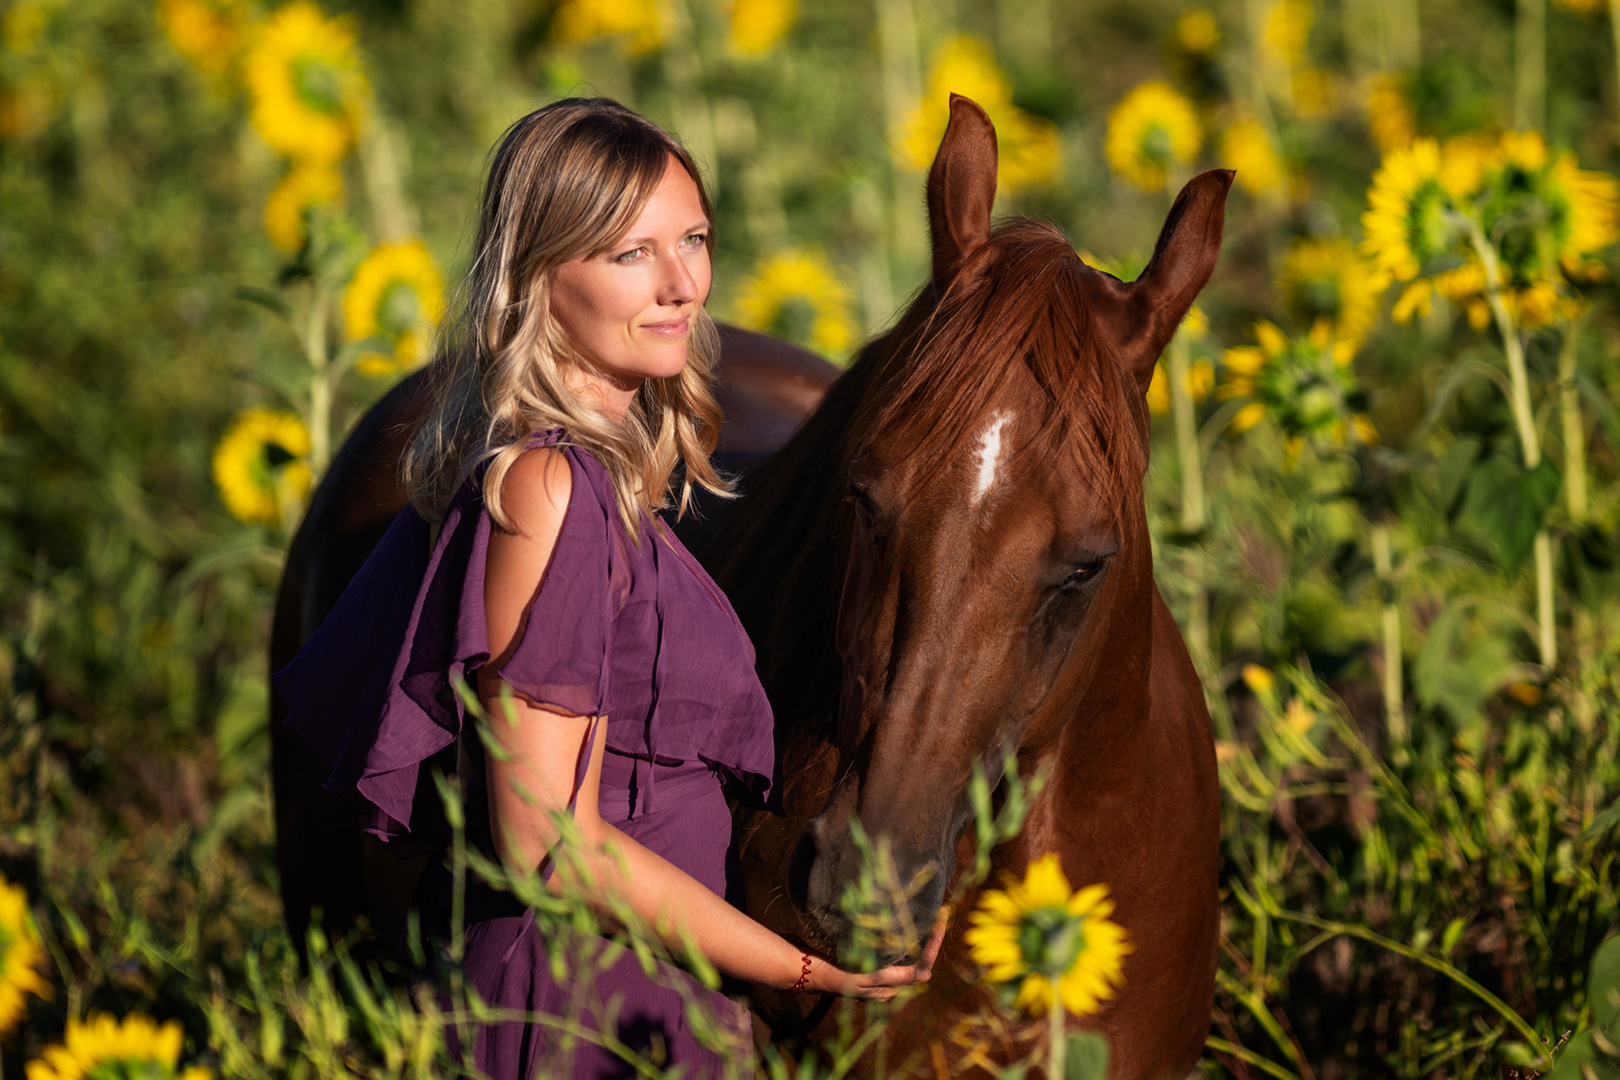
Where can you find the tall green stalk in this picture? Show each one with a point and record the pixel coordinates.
(1193, 513)
(1614, 29)
(1574, 427)
(1583, 627)
(1056, 1061)
(1530, 64)
(322, 375)
(1390, 618)
(1529, 444)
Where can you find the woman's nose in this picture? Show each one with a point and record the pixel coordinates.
(677, 286)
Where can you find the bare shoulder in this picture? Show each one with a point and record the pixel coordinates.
(535, 493)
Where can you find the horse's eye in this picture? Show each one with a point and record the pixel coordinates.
(1083, 573)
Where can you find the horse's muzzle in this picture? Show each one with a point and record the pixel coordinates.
(879, 902)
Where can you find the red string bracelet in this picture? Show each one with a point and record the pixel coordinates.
(804, 976)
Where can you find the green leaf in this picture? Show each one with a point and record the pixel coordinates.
(1453, 934)
(1461, 660)
(268, 299)
(1579, 1056)
(1604, 985)
(1086, 1056)
(1602, 821)
(1506, 505)
(1518, 1054)
(1455, 468)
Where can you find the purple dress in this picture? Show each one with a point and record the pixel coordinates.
(640, 635)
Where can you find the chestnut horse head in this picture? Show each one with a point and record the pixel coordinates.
(999, 579)
(970, 500)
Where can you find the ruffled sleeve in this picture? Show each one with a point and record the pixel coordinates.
(562, 658)
(373, 689)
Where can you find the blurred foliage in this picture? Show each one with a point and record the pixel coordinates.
(1407, 524)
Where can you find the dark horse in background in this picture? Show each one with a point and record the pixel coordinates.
(948, 561)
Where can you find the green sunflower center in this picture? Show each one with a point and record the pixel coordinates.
(1528, 223)
(319, 85)
(1304, 390)
(399, 309)
(1155, 145)
(128, 1069)
(1051, 940)
(266, 469)
(1321, 296)
(794, 319)
(1429, 231)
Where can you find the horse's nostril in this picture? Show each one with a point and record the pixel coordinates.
(798, 876)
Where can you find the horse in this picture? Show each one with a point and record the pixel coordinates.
(951, 560)
(330, 871)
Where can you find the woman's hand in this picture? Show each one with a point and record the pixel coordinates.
(882, 984)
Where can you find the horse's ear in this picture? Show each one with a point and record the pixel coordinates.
(1144, 315)
(961, 186)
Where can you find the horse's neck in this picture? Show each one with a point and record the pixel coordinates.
(781, 564)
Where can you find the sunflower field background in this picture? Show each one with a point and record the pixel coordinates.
(1385, 489)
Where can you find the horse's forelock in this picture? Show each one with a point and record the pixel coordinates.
(1019, 303)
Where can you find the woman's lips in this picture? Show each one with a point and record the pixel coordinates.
(676, 328)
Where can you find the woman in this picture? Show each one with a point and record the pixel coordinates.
(533, 563)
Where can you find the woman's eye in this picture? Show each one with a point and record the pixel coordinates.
(696, 240)
(630, 256)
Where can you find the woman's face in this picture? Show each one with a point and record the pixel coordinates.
(630, 310)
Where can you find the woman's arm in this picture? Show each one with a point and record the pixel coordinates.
(543, 749)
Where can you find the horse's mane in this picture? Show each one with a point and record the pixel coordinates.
(1021, 298)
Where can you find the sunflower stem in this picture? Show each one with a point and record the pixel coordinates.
(1614, 28)
(1583, 628)
(1525, 421)
(1193, 514)
(1056, 1065)
(1574, 428)
(320, 380)
(1530, 64)
(1394, 712)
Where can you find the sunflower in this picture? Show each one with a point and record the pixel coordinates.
(1029, 151)
(1304, 384)
(103, 1047)
(1050, 940)
(1247, 149)
(206, 32)
(641, 26)
(1390, 119)
(20, 957)
(757, 25)
(1196, 33)
(306, 186)
(309, 93)
(1150, 130)
(1286, 32)
(261, 466)
(396, 294)
(1415, 223)
(1325, 281)
(1546, 217)
(796, 295)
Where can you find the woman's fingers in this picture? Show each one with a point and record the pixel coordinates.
(931, 948)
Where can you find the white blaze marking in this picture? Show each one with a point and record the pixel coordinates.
(989, 456)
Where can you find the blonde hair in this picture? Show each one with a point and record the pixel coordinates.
(566, 182)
